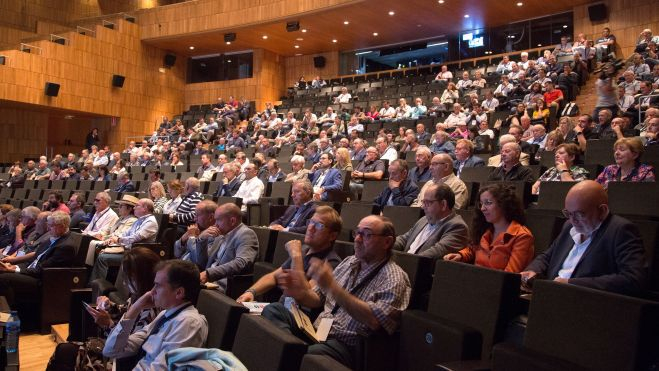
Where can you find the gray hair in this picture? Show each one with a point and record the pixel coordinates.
(31, 212)
(298, 159)
(105, 196)
(306, 185)
(148, 204)
(60, 218)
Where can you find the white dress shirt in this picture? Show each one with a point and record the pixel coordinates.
(102, 222)
(250, 191)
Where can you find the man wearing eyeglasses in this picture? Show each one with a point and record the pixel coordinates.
(440, 231)
(441, 168)
(400, 190)
(365, 293)
(322, 230)
(324, 178)
(103, 219)
(594, 249)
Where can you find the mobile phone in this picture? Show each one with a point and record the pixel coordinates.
(88, 306)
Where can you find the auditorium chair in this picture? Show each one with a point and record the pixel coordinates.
(403, 217)
(262, 346)
(419, 270)
(316, 362)
(468, 312)
(475, 174)
(599, 151)
(639, 199)
(372, 189)
(577, 328)
(279, 256)
(545, 227)
(522, 189)
(351, 214)
(165, 238)
(552, 195)
(56, 285)
(344, 249)
(223, 315)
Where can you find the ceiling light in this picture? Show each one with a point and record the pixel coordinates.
(265, 37)
(304, 30)
(161, 69)
(298, 54)
(539, 44)
(228, 42)
(520, 3)
(228, 60)
(440, 1)
(334, 40)
(299, 39)
(564, 26)
(297, 46)
(375, 33)
(346, 22)
(192, 48)
(466, 15)
(391, 12)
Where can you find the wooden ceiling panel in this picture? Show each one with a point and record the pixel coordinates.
(413, 20)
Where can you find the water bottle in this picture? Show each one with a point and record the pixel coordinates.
(13, 328)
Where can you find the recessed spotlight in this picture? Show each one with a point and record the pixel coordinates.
(297, 46)
(265, 37)
(466, 15)
(539, 44)
(228, 60)
(299, 39)
(564, 26)
(335, 40)
(161, 69)
(192, 48)
(375, 33)
(228, 42)
(520, 3)
(298, 54)
(304, 30)
(346, 22)
(391, 12)
(440, 1)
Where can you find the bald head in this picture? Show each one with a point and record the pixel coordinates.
(586, 205)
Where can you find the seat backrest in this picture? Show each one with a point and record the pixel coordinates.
(552, 195)
(591, 328)
(352, 213)
(267, 239)
(223, 315)
(475, 174)
(403, 217)
(280, 255)
(372, 189)
(419, 269)
(282, 190)
(344, 249)
(481, 298)
(545, 227)
(634, 198)
(599, 151)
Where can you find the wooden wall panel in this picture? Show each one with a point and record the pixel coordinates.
(84, 70)
(627, 18)
(303, 66)
(23, 133)
(11, 37)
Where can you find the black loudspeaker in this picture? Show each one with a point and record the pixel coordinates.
(118, 81)
(52, 89)
(170, 59)
(2, 59)
(597, 12)
(292, 26)
(319, 62)
(229, 37)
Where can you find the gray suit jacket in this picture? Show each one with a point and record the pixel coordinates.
(450, 236)
(240, 248)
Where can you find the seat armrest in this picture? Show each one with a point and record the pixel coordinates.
(513, 358)
(378, 351)
(237, 284)
(56, 286)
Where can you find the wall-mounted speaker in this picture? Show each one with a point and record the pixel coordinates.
(229, 37)
(292, 26)
(118, 81)
(52, 89)
(319, 62)
(2, 59)
(597, 13)
(169, 61)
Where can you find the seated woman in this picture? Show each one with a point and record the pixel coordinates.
(103, 174)
(565, 169)
(499, 238)
(373, 114)
(450, 95)
(138, 269)
(541, 112)
(343, 162)
(628, 167)
(158, 196)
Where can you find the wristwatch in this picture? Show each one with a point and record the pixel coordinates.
(580, 133)
(565, 171)
(252, 291)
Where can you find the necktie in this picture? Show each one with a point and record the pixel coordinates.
(421, 238)
(295, 217)
(218, 246)
(36, 261)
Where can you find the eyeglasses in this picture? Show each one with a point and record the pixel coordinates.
(317, 225)
(365, 234)
(97, 200)
(486, 203)
(577, 215)
(428, 202)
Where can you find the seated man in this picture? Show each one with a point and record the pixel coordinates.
(144, 229)
(421, 172)
(595, 248)
(231, 181)
(274, 173)
(400, 191)
(206, 170)
(121, 226)
(371, 168)
(103, 219)
(495, 161)
(441, 168)
(232, 252)
(199, 235)
(296, 216)
(178, 325)
(55, 202)
(185, 213)
(322, 230)
(355, 307)
(31, 241)
(539, 136)
(298, 172)
(324, 177)
(75, 203)
(441, 231)
(28, 218)
(464, 156)
(124, 183)
(251, 189)
(510, 168)
(20, 284)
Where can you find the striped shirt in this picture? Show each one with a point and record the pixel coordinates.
(387, 294)
(186, 212)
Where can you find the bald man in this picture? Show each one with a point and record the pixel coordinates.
(595, 248)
